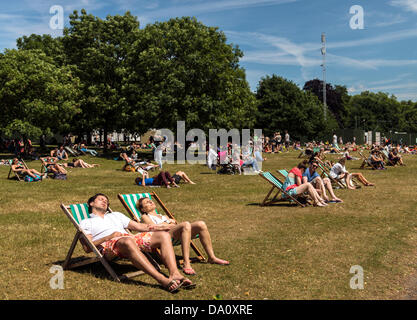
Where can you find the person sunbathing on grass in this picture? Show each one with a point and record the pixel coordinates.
(294, 186)
(79, 163)
(310, 175)
(19, 168)
(107, 232)
(184, 231)
(164, 178)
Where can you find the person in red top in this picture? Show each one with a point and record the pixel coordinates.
(293, 184)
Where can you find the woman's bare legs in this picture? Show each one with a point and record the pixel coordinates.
(183, 175)
(308, 187)
(182, 231)
(362, 179)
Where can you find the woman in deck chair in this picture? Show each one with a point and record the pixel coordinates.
(18, 168)
(184, 231)
(294, 186)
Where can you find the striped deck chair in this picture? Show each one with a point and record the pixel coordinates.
(129, 202)
(277, 186)
(17, 175)
(76, 213)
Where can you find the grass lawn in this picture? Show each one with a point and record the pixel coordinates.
(276, 252)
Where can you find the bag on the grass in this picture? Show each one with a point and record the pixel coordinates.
(28, 178)
(60, 176)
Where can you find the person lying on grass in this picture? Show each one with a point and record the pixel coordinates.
(19, 168)
(310, 175)
(107, 232)
(184, 231)
(79, 163)
(164, 178)
(294, 186)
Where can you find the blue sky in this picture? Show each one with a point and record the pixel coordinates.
(277, 36)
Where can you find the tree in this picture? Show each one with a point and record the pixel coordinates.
(284, 106)
(98, 48)
(52, 47)
(184, 70)
(36, 96)
(374, 111)
(336, 98)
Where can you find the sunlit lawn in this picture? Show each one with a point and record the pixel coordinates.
(277, 252)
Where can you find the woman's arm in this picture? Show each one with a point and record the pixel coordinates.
(142, 227)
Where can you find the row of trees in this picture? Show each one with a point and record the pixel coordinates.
(109, 74)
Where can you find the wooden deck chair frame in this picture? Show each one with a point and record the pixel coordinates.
(71, 151)
(82, 213)
(130, 206)
(277, 186)
(17, 175)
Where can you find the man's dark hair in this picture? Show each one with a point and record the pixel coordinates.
(93, 198)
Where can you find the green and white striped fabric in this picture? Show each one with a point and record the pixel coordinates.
(272, 179)
(132, 199)
(79, 211)
(283, 172)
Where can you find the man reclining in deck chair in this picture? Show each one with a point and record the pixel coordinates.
(183, 231)
(107, 231)
(310, 175)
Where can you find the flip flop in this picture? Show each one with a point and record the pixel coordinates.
(189, 271)
(186, 286)
(175, 289)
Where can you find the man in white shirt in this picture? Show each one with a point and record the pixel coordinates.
(107, 232)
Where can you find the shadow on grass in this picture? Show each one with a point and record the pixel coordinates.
(273, 205)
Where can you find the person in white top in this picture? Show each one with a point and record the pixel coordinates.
(339, 172)
(107, 232)
(183, 231)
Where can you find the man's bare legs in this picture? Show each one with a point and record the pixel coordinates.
(327, 184)
(362, 179)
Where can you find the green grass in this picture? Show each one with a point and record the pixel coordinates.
(276, 252)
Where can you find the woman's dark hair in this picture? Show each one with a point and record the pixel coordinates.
(93, 198)
(75, 159)
(139, 205)
(303, 165)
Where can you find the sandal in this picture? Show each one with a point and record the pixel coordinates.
(174, 289)
(189, 271)
(187, 284)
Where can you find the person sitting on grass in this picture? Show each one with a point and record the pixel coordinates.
(107, 232)
(310, 175)
(19, 168)
(294, 186)
(51, 164)
(184, 231)
(79, 163)
(61, 154)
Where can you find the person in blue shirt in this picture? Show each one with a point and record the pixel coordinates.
(310, 175)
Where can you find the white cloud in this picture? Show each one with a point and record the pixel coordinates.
(408, 5)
